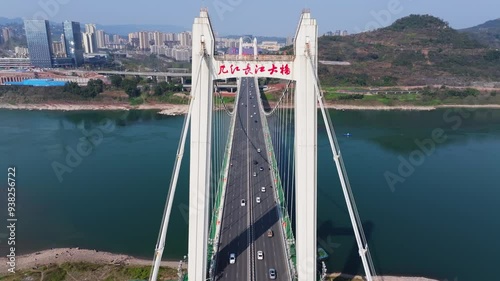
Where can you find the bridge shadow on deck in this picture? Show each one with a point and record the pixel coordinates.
(222, 257)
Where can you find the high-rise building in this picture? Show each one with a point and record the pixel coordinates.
(132, 36)
(39, 42)
(63, 42)
(170, 37)
(6, 34)
(58, 49)
(159, 38)
(88, 42)
(185, 39)
(116, 39)
(91, 30)
(21, 52)
(143, 40)
(73, 42)
(101, 40)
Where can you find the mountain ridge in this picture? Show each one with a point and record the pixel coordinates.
(414, 50)
(486, 33)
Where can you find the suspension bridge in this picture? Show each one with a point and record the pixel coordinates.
(253, 166)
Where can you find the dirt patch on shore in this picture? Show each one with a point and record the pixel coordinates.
(63, 255)
(167, 109)
(179, 109)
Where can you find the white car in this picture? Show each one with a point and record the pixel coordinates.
(260, 255)
(257, 199)
(232, 258)
(263, 189)
(254, 174)
(243, 203)
(258, 150)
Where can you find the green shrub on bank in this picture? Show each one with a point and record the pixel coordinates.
(93, 88)
(57, 274)
(352, 97)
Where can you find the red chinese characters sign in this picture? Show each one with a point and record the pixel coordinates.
(255, 69)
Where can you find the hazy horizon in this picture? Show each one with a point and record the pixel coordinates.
(232, 17)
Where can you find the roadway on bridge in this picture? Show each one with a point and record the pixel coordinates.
(244, 228)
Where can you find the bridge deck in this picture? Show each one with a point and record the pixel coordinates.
(244, 228)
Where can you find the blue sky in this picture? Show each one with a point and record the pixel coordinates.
(256, 17)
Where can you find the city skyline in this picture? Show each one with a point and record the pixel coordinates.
(232, 17)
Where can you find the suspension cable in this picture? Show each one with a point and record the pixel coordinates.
(285, 91)
(160, 245)
(218, 92)
(288, 130)
(346, 187)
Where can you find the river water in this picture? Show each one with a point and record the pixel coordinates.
(427, 186)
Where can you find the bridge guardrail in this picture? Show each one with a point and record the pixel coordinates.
(214, 230)
(280, 198)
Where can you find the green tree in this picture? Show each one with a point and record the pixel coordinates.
(94, 87)
(130, 87)
(492, 55)
(72, 87)
(116, 80)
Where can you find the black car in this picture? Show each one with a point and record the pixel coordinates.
(272, 273)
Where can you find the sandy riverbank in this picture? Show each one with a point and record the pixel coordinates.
(167, 109)
(176, 109)
(62, 255)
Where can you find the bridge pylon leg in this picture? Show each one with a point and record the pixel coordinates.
(306, 146)
(201, 129)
